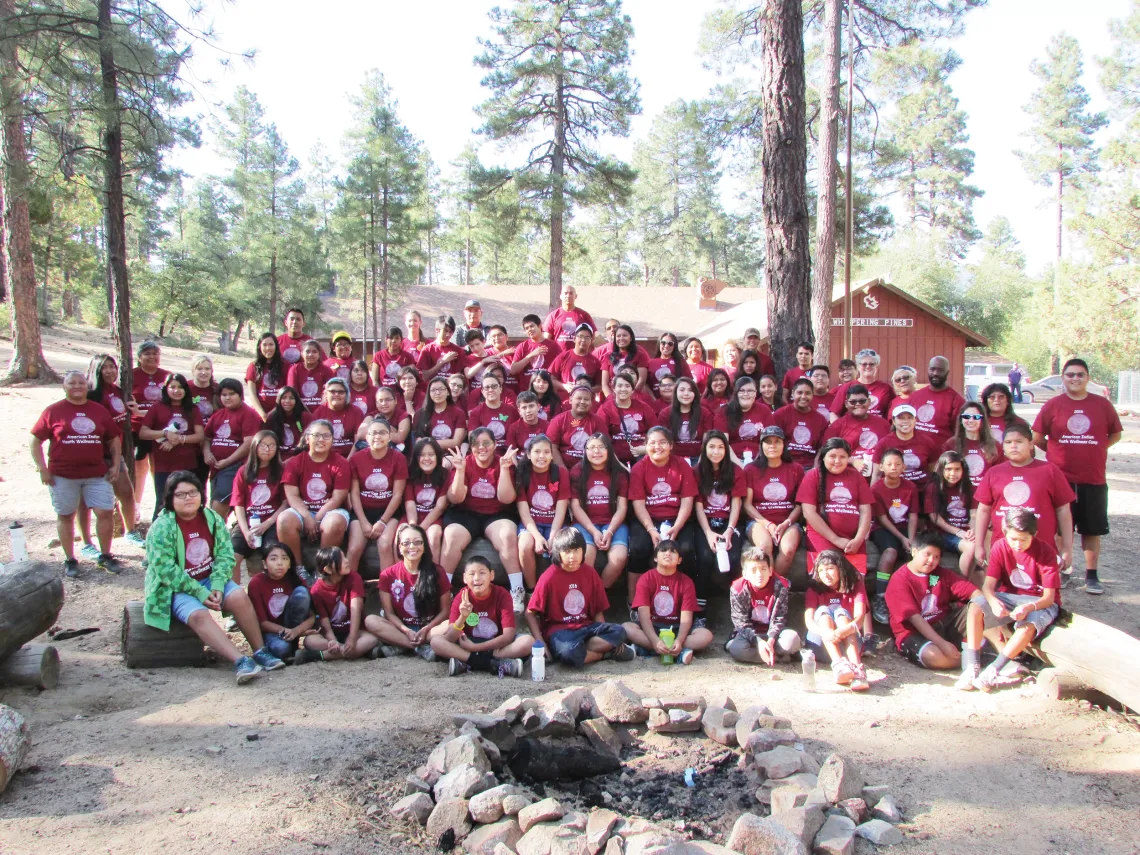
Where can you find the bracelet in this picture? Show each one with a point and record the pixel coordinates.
(458, 627)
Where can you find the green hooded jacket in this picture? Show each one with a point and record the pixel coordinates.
(166, 566)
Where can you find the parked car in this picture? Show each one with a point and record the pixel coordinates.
(1051, 387)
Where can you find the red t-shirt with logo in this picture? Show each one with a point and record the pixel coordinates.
(957, 511)
(80, 437)
(269, 597)
(1077, 435)
(431, 354)
(267, 386)
(665, 596)
(570, 433)
(937, 411)
(686, 441)
(817, 596)
(260, 497)
(597, 501)
(627, 426)
(482, 487)
(919, 455)
(426, 494)
(309, 383)
(561, 323)
(700, 372)
(803, 432)
(861, 434)
(540, 362)
(881, 395)
(910, 594)
(443, 425)
(204, 397)
(334, 602)
(162, 417)
(548, 411)
(377, 478)
(746, 435)
(291, 431)
(519, 433)
(146, 390)
(639, 360)
(398, 583)
(844, 495)
(339, 367)
(662, 487)
(345, 423)
(496, 612)
(659, 367)
(496, 419)
(774, 490)
(822, 404)
(975, 457)
(113, 403)
(897, 503)
(363, 399)
(763, 602)
(568, 600)
(718, 503)
(390, 366)
(317, 481)
(1039, 486)
(1027, 573)
(227, 429)
(199, 546)
(791, 376)
(543, 494)
(568, 366)
(290, 348)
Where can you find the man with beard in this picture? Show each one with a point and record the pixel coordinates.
(938, 404)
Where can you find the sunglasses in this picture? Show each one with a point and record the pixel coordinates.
(971, 417)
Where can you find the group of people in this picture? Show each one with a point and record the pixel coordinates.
(683, 476)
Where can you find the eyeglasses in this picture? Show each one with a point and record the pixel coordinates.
(867, 364)
(184, 495)
(408, 544)
(1069, 375)
(321, 436)
(903, 378)
(747, 393)
(858, 402)
(971, 417)
(267, 446)
(486, 444)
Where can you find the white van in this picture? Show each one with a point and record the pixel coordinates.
(981, 374)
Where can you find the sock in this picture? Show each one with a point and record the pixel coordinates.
(881, 580)
(969, 660)
(482, 660)
(1000, 662)
(516, 580)
(1090, 575)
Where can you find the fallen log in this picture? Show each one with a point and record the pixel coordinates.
(35, 665)
(31, 595)
(1062, 686)
(1098, 655)
(15, 739)
(146, 647)
(550, 759)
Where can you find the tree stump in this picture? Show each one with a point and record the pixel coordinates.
(146, 647)
(31, 595)
(15, 739)
(35, 665)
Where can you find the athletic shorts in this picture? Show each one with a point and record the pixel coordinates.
(97, 494)
(620, 538)
(951, 543)
(222, 483)
(1090, 510)
(143, 447)
(1040, 620)
(373, 515)
(885, 540)
(242, 548)
(952, 627)
(698, 623)
(475, 524)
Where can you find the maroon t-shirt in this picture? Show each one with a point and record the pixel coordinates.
(519, 432)
(897, 503)
(763, 602)
(291, 348)
(561, 323)
(377, 478)
(790, 377)
(627, 426)
(442, 426)
(686, 441)
(930, 597)
(1026, 573)
(390, 366)
(227, 429)
(113, 403)
(613, 368)
(1077, 435)
(843, 497)
(662, 487)
(497, 420)
(597, 501)
(543, 494)
(937, 411)
(881, 395)
(269, 597)
(363, 399)
(700, 372)
(568, 366)
(919, 455)
(957, 510)
(260, 497)
(398, 583)
(814, 598)
(746, 435)
(267, 386)
(204, 398)
(541, 361)
(861, 434)
(146, 390)
(568, 600)
(426, 494)
(774, 490)
(317, 481)
(164, 417)
(80, 437)
(718, 501)
(496, 612)
(345, 423)
(482, 487)
(570, 434)
(975, 456)
(1039, 486)
(665, 596)
(199, 546)
(334, 602)
(803, 432)
(659, 367)
(822, 403)
(431, 354)
(310, 384)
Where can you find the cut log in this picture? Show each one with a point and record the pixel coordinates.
(1100, 656)
(146, 647)
(15, 739)
(551, 759)
(31, 595)
(35, 665)
(1061, 686)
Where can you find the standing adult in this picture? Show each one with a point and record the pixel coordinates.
(802, 424)
(147, 381)
(562, 323)
(751, 342)
(81, 436)
(1076, 430)
(937, 406)
(230, 433)
(103, 388)
(291, 342)
(859, 428)
(472, 320)
(442, 356)
(1015, 376)
(805, 355)
(879, 394)
(265, 375)
(576, 362)
(415, 340)
(535, 352)
(822, 393)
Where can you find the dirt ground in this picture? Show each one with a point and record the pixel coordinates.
(142, 761)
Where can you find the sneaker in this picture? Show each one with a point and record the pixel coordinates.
(638, 650)
(267, 660)
(70, 568)
(518, 596)
(859, 683)
(134, 538)
(1066, 578)
(966, 680)
(871, 644)
(426, 653)
(386, 651)
(880, 612)
(1094, 587)
(110, 563)
(686, 656)
(304, 655)
(455, 667)
(245, 669)
(842, 672)
(987, 680)
(1013, 669)
(89, 551)
(509, 667)
(305, 577)
(623, 653)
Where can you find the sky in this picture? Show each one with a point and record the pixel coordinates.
(308, 63)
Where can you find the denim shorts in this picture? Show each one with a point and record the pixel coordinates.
(184, 605)
(1040, 620)
(569, 645)
(97, 494)
(341, 512)
(834, 612)
(544, 530)
(222, 483)
(620, 538)
(950, 542)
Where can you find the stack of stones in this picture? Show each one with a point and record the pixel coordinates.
(468, 791)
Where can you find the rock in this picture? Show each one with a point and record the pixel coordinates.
(513, 804)
(464, 750)
(690, 703)
(503, 849)
(719, 724)
(840, 778)
(752, 835)
(674, 721)
(619, 704)
(510, 709)
(629, 826)
(550, 759)
(417, 806)
(887, 809)
(808, 763)
(495, 730)
(747, 722)
(548, 839)
(487, 806)
(853, 809)
(601, 735)
(872, 794)
(722, 701)
(803, 822)
(837, 837)
(614, 847)
(574, 819)
(449, 814)
(543, 811)
(788, 797)
(879, 832)
(802, 780)
(693, 847)
(780, 762)
(650, 703)
(765, 739)
(571, 698)
(485, 839)
(479, 720)
(599, 826)
(650, 842)
(413, 785)
(552, 719)
(464, 782)
(428, 775)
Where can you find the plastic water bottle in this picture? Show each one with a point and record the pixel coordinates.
(667, 637)
(808, 658)
(722, 556)
(538, 662)
(747, 456)
(665, 528)
(254, 522)
(19, 542)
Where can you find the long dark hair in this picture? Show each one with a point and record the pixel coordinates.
(550, 397)
(616, 352)
(719, 372)
(416, 474)
(965, 485)
(276, 420)
(524, 468)
(755, 374)
(187, 404)
(777, 396)
(359, 363)
(734, 412)
(710, 480)
(1010, 415)
(96, 388)
(761, 461)
(613, 468)
(848, 575)
(424, 413)
(820, 467)
(677, 418)
(253, 464)
(427, 592)
(989, 446)
(678, 357)
(272, 368)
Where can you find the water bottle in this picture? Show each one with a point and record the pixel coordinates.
(722, 556)
(19, 542)
(538, 662)
(667, 637)
(254, 522)
(747, 456)
(665, 528)
(808, 658)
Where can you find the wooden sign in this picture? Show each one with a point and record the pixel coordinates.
(875, 322)
(707, 289)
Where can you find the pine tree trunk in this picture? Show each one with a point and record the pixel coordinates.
(3, 239)
(557, 194)
(28, 361)
(828, 191)
(787, 270)
(273, 291)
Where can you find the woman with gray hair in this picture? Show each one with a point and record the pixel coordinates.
(867, 374)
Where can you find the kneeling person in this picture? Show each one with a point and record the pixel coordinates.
(666, 600)
(758, 601)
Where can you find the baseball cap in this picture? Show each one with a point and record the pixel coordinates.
(584, 326)
(904, 408)
(472, 304)
(751, 331)
(772, 430)
(339, 334)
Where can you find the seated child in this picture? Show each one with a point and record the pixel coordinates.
(488, 642)
(665, 599)
(758, 601)
(571, 601)
(415, 594)
(281, 602)
(836, 603)
(895, 523)
(932, 612)
(1023, 575)
(338, 600)
(949, 497)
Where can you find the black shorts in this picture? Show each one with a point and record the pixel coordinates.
(372, 515)
(885, 540)
(476, 524)
(1090, 510)
(143, 447)
(237, 540)
(952, 627)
